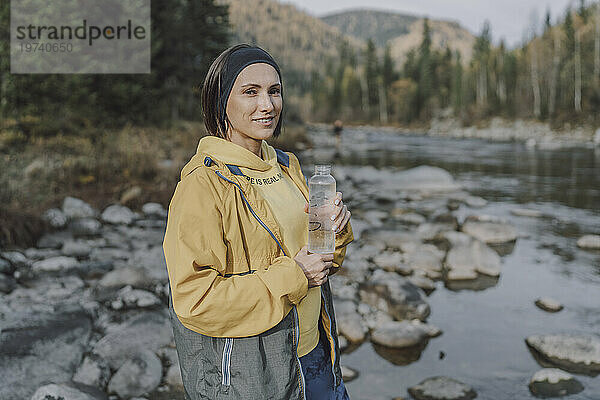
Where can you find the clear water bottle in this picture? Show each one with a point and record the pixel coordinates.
(321, 189)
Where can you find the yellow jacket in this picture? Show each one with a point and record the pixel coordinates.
(228, 273)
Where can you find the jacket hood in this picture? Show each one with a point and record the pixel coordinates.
(230, 153)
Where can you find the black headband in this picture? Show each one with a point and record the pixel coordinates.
(237, 61)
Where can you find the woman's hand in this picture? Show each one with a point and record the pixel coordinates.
(340, 216)
(315, 266)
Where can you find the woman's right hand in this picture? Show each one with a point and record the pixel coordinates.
(315, 266)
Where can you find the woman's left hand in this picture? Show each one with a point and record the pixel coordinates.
(340, 216)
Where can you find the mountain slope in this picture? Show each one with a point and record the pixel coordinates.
(299, 41)
(401, 31)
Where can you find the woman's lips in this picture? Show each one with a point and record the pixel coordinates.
(265, 121)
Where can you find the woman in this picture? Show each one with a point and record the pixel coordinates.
(251, 309)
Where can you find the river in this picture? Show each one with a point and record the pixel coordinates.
(484, 331)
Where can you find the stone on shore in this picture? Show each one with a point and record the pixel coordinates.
(401, 334)
(548, 304)
(553, 382)
(139, 375)
(394, 295)
(117, 214)
(590, 242)
(68, 391)
(76, 208)
(489, 230)
(441, 388)
(571, 352)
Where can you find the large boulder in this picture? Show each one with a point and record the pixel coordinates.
(148, 330)
(574, 353)
(38, 348)
(552, 382)
(395, 295)
(441, 388)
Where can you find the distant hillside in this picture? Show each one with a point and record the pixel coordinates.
(299, 41)
(403, 32)
(380, 26)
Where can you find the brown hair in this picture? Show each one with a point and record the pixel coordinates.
(211, 92)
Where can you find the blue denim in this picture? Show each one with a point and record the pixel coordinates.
(318, 375)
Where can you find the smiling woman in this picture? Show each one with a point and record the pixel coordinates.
(251, 308)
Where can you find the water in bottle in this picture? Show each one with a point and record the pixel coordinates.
(321, 239)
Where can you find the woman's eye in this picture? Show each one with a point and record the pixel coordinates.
(250, 91)
(275, 91)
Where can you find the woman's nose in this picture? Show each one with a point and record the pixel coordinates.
(265, 103)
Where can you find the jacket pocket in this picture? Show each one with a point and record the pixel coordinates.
(226, 362)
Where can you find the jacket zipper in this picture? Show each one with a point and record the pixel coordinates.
(334, 359)
(296, 321)
(226, 361)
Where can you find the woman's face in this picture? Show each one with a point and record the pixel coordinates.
(254, 104)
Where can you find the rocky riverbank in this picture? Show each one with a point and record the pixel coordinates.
(83, 315)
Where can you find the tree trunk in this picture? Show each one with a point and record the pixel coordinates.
(501, 86)
(535, 82)
(597, 49)
(554, 76)
(482, 86)
(383, 116)
(364, 94)
(577, 72)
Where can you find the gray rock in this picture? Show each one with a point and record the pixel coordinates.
(76, 208)
(489, 231)
(55, 218)
(117, 214)
(574, 353)
(152, 260)
(426, 258)
(423, 282)
(591, 242)
(6, 267)
(349, 374)
(76, 248)
(93, 371)
(349, 322)
(135, 298)
(475, 201)
(526, 212)
(441, 388)
(68, 391)
(55, 264)
(425, 179)
(154, 210)
(389, 239)
(40, 347)
(548, 304)
(54, 240)
(109, 253)
(410, 218)
(552, 382)
(429, 230)
(120, 277)
(7, 283)
(36, 254)
(388, 260)
(401, 334)
(85, 227)
(465, 262)
(137, 376)
(149, 330)
(16, 259)
(395, 295)
(173, 377)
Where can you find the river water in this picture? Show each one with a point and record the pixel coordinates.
(484, 331)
